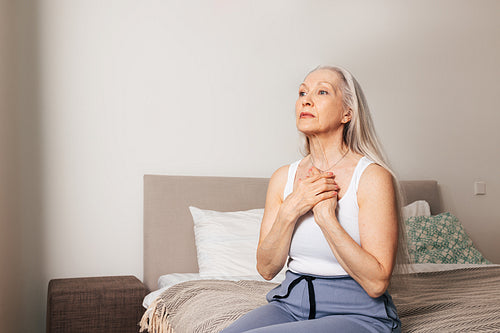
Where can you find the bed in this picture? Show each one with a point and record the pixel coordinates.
(456, 296)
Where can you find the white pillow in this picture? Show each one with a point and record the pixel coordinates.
(416, 208)
(226, 242)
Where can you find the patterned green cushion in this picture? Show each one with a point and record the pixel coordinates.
(440, 239)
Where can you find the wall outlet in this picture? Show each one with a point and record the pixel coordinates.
(479, 188)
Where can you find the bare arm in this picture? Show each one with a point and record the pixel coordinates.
(276, 229)
(370, 264)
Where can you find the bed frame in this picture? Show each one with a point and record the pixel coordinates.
(169, 245)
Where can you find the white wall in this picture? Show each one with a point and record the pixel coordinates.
(126, 88)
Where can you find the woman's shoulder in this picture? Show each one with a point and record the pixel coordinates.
(375, 180)
(282, 172)
(373, 169)
(374, 172)
(279, 179)
(280, 176)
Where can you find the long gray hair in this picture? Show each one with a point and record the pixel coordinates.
(359, 136)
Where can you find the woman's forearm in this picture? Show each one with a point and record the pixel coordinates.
(272, 251)
(357, 262)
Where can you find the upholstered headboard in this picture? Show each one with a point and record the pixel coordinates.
(169, 245)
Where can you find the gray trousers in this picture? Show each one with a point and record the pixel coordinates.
(317, 304)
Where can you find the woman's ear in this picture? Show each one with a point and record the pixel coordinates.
(347, 117)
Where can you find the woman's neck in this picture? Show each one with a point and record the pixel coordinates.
(326, 152)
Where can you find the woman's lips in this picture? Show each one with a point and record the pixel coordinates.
(306, 115)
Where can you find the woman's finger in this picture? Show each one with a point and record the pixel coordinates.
(314, 171)
(326, 195)
(324, 175)
(325, 187)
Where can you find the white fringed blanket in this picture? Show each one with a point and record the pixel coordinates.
(464, 300)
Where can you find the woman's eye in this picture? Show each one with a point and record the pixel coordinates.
(302, 93)
(323, 92)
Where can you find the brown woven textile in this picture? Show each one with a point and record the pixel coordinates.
(203, 306)
(465, 300)
(97, 304)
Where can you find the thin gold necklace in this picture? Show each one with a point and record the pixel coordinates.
(312, 162)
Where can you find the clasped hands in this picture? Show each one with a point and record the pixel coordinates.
(320, 192)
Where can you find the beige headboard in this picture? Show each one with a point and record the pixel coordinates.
(169, 245)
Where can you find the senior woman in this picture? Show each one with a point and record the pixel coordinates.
(333, 218)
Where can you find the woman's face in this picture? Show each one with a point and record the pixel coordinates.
(319, 106)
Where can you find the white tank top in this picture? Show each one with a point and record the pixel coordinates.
(309, 251)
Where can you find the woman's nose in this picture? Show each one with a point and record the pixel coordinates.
(306, 101)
